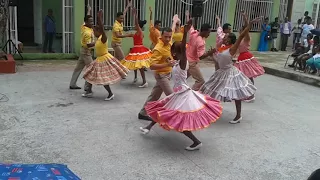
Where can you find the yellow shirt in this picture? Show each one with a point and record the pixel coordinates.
(154, 34)
(102, 51)
(178, 36)
(117, 27)
(160, 55)
(86, 36)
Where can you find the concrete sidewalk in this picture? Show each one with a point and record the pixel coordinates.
(273, 62)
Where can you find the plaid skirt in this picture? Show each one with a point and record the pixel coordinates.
(105, 70)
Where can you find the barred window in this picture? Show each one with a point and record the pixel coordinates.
(166, 9)
(315, 12)
(112, 7)
(253, 8)
(283, 10)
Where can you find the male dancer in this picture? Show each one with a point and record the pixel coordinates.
(87, 45)
(154, 31)
(221, 32)
(117, 34)
(161, 63)
(196, 51)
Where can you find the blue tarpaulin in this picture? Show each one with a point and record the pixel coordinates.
(36, 172)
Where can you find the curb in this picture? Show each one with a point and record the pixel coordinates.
(292, 76)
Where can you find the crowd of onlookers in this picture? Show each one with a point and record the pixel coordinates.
(306, 45)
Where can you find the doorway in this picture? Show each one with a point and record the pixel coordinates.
(25, 22)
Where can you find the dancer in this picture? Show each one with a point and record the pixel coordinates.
(185, 110)
(246, 62)
(139, 56)
(162, 69)
(228, 83)
(154, 31)
(87, 45)
(196, 51)
(117, 33)
(221, 32)
(178, 29)
(105, 69)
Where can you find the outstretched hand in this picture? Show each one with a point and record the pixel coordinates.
(188, 26)
(187, 13)
(129, 3)
(258, 19)
(176, 18)
(150, 9)
(218, 18)
(100, 14)
(134, 11)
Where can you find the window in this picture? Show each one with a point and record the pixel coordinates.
(283, 9)
(316, 21)
(253, 8)
(165, 9)
(111, 7)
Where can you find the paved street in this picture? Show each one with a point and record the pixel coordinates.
(44, 122)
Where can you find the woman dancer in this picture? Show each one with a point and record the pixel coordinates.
(266, 28)
(228, 83)
(246, 62)
(185, 110)
(139, 56)
(178, 29)
(105, 69)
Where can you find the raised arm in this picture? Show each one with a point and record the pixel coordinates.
(127, 8)
(218, 21)
(89, 9)
(183, 60)
(246, 22)
(150, 9)
(100, 26)
(235, 46)
(136, 21)
(174, 22)
(187, 16)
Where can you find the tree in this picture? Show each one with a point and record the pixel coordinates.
(4, 10)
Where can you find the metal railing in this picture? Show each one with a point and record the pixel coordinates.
(253, 8)
(166, 9)
(112, 7)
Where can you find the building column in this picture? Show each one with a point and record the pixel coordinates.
(78, 15)
(231, 11)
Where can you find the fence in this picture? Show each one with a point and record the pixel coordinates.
(166, 9)
(112, 7)
(253, 8)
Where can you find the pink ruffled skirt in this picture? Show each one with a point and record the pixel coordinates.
(186, 110)
(249, 65)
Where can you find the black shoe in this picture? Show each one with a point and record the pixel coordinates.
(290, 65)
(145, 69)
(74, 87)
(272, 49)
(276, 50)
(146, 118)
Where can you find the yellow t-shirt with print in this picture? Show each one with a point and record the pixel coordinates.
(160, 54)
(86, 36)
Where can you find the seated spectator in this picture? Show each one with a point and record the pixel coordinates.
(314, 62)
(315, 175)
(303, 51)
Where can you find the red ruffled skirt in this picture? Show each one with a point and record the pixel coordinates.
(139, 57)
(249, 65)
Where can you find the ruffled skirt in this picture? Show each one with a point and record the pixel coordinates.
(229, 84)
(139, 57)
(185, 111)
(105, 70)
(249, 65)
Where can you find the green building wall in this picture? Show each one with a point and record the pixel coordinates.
(127, 43)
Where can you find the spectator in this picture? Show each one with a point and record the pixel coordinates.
(306, 17)
(285, 30)
(307, 49)
(265, 35)
(314, 61)
(274, 33)
(49, 28)
(297, 30)
(306, 28)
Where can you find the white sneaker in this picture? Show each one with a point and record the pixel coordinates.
(144, 131)
(235, 122)
(145, 85)
(87, 95)
(110, 98)
(194, 148)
